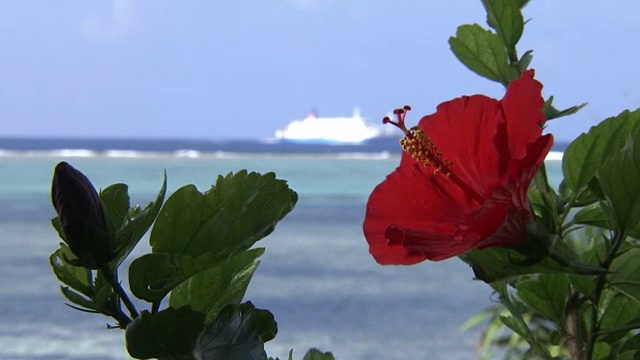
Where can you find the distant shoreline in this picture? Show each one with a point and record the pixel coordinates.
(192, 148)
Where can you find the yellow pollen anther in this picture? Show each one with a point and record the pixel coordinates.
(419, 145)
(422, 149)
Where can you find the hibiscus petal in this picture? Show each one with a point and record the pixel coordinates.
(522, 171)
(464, 130)
(522, 104)
(408, 198)
(389, 254)
(502, 220)
(434, 246)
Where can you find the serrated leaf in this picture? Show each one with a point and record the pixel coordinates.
(589, 151)
(135, 224)
(238, 333)
(104, 296)
(631, 345)
(550, 112)
(153, 276)
(628, 355)
(237, 211)
(623, 274)
(589, 194)
(619, 177)
(211, 290)
(595, 215)
(77, 277)
(601, 351)
(78, 299)
(315, 354)
(505, 17)
(618, 309)
(493, 264)
(116, 202)
(481, 51)
(592, 215)
(168, 334)
(546, 294)
(525, 60)
(522, 3)
(514, 324)
(55, 223)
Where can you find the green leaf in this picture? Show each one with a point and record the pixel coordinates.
(290, 356)
(104, 294)
(584, 284)
(628, 355)
(315, 354)
(516, 325)
(588, 194)
(592, 215)
(168, 334)
(238, 333)
(135, 224)
(505, 17)
(525, 61)
(236, 212)
(586, 154)
(153, 276)
(116, 202)
(75, 298)
(77, 277)
(623, 274)
(211, 290)
(618, 309)
(55, 223)
(550, 112)
(601, 351)
(481, 51)
(539, 256)
(546, 294)
(630, 346)
(595, 215)
(619, 178)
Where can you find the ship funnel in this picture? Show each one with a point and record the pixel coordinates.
(356, 112)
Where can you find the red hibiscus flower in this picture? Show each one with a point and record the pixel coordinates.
(463, 178)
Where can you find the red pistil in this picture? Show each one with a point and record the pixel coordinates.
(400, 115)
(419, 145)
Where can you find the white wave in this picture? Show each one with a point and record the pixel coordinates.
(383, 155)
(126, 154)
(186, 153)
(50, 153)
(554, 156)
(74, 153)
(8, 153)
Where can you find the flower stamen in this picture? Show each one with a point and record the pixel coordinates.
(419, 145)
(423, 150)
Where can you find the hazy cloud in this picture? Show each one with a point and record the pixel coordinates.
(113, 26)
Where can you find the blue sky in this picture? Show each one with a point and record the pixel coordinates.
(242, 69)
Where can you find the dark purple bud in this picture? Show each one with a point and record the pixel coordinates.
(82, 217)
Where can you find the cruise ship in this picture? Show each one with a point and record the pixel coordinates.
(334, 130)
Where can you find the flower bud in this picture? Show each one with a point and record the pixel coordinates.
(82, 217)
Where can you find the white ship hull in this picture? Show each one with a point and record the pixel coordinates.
(333, 130)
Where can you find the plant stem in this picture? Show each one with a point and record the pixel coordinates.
(113, 281)
(572, 339)
(618, 239)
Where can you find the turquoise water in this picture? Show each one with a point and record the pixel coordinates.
(316, 276)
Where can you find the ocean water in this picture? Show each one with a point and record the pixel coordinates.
(316, 276)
